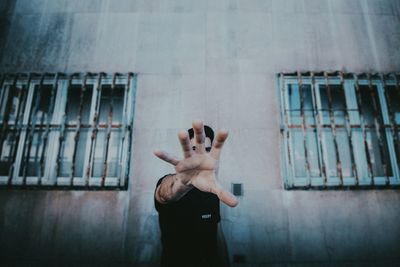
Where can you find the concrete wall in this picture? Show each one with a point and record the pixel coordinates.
(213, 60)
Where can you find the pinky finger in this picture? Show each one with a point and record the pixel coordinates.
(166, 157)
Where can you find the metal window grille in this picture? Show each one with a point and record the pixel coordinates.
(66, 130)
(340, 130)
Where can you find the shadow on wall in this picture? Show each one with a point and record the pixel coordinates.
(7, 7)
(49, 227)
(6, 10)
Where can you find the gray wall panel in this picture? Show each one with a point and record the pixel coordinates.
(214, 60)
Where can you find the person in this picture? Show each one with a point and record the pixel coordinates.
(188, 201)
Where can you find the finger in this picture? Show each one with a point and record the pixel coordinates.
(166, 157)
(199, 136)
(218, 143)
(185, 143)
(226, 197)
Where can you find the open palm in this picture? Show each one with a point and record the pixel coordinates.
(198, 168)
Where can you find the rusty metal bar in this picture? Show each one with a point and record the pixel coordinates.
(376, 113)
(348, 128)
(7, 110)
(317, 119)
(364, 133)
(394, 129)
(42, 143)
(64, 126)
(333, 129)
(124, 129)
(286, 118)
(31, 130)
(307, 163)
(129, 124)
(11, 95)
(78, 128)
(8, 104)
(19, 125)
(40, 134)
(2, 91)
(398, 99)
(129, 129)
(397, 86)
(48, 125)
(108, 135)
(338, 126)
(322, 109)
(94, 129)
(85, 125)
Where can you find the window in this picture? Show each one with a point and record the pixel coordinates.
(340, 130)
(70, 131)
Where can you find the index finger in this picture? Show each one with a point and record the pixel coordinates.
(166, 157)
(185, 143)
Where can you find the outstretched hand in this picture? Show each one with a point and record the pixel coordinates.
(198, 168)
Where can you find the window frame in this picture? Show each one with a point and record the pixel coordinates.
(62, 83)
(348, 83)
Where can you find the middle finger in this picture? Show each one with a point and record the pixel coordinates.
(199, 136)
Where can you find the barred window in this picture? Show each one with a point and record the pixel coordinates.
(70, 131)
(340, 130)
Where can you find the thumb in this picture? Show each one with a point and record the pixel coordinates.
(226, 197)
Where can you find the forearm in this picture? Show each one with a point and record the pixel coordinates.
(172, 188)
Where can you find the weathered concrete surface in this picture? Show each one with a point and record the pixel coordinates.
(214, 60)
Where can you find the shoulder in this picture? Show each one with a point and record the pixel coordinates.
(156, 203)
(160, 180)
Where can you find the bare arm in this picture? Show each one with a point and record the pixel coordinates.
(172, 188)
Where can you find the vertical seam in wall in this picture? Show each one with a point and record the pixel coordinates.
(133, 65)
(125, 216)
(370, 33)
(100, 32)
(334, 31)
